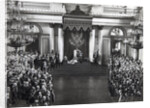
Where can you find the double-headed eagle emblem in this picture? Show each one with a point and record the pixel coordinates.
(76, 40)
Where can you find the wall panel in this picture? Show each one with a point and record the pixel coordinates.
(45, 44)
(106, 50)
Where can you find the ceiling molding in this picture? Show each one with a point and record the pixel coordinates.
(111, 22)
(43, 18)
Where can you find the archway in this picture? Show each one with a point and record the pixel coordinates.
(117, 35)
(35, 30)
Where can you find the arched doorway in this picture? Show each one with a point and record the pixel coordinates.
(35, 30)
(117, 35)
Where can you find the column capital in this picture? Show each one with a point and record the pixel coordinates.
(97, 27)
(59, 25)
(100, 27)
(51, 25)
(94, 26)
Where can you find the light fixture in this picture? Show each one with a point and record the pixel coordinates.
(125, 41)
(16, 31)
(137, 30)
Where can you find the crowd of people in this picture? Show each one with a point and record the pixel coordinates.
(125, 77)
(29, 77)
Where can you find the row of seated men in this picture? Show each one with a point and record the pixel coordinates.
(125, 77)
(28, 80)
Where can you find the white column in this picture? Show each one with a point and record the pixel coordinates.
(134, 53)
(40, 44)
(51, 37)
(125, 50)
(60, 43)
(141, 55)
(100, 43)
(91, 44)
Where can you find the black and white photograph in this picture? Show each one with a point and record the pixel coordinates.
(72, 53)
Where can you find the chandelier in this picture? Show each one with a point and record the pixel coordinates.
(136, 43)
(17, 33)
(137, 30)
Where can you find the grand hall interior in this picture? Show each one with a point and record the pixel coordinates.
(66, 53)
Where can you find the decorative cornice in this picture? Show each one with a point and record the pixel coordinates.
(77, 22)
(100, 27)
(116, 12)
(60, 9)
(94, 26)
(51, 25)
(111, 22)
(59, 25)
(77, 11)
(41, 11)
(43, 18)
(38, 8)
